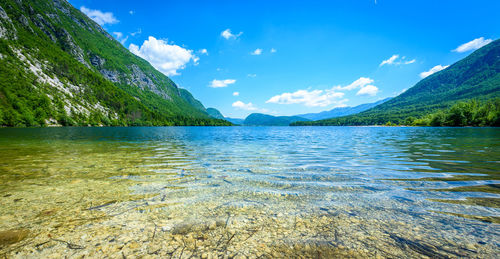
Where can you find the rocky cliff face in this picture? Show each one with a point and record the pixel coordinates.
(7, 28)
(49, 26)
(83, 71)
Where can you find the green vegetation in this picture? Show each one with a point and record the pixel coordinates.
(463, 113)
(475, 77)
(468, 113)
(59, 67)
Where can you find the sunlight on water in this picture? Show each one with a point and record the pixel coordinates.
(250, 191)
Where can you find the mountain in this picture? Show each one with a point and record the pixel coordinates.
(58, 67)
(235, 121)
(259, 119)
(342, 111)
(475, 77)
(214, 113)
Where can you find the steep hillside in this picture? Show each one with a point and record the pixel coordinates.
(342, 111)
(475, 77)
(57, 66)
(259, 119)
(214, 113)
(463, 113)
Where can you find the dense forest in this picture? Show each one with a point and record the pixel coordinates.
(464, 113)
(58, 67)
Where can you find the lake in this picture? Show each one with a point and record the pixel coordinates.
(250, 192)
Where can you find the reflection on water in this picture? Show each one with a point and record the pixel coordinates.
(250, 192)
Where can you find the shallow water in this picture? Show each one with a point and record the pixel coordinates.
(250, 192)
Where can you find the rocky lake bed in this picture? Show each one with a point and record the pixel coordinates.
(172, 195)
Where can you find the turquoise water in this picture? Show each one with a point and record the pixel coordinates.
(250, 192)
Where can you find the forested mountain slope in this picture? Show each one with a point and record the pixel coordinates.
(58, 67)
(214, 113)
(475, 77)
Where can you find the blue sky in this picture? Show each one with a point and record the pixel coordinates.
(292, 57)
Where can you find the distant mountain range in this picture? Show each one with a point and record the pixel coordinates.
(342, 111)
(216, 114)
(59, 67)
(235, 121)
(259, 119)
(475, 77)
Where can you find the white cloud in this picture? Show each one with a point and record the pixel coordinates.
(273, 50)
(118, 34)
(236, 94)
(368, 90)
(322, 98)
(389, 61)
(312, 98)
(252, 75)
(119, 37)
(473, 45)
(167, 58)
(226, 34)
(139, 31)
(256, 52)
(359, 83)
(203, 51)
(195, 60)
(244, 106)
(221, 83)
(432, 71)
(249, 107)
(99, 17)
(393, 60)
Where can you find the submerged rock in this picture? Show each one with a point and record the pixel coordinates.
(8, 237)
